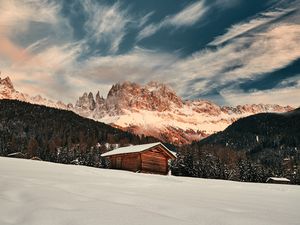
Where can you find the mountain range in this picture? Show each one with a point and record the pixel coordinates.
(153, 109)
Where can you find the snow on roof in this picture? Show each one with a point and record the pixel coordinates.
(15, 153)
(135, 148)
(278, 179)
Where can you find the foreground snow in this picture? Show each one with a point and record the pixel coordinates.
(36, 193)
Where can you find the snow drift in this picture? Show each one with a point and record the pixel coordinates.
(35, 193)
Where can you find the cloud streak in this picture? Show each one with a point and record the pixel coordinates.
(243, 58)
(186, 17)
(244, 27)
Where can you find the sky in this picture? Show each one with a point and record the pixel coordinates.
(228, 51)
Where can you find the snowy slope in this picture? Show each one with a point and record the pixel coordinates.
(35, 193)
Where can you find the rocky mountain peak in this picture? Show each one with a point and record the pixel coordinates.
(38, 98)
(165, 92)
(153, 96)
(92, 103)
(123, 88)
(6, 82)
(157, 86)
(91, 96)
(86, 102)
(99, 99)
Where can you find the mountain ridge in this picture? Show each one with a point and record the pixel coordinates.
(153, 109)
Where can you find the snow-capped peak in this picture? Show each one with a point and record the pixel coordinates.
(7, 91)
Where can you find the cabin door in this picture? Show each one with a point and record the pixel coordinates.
(118, 163)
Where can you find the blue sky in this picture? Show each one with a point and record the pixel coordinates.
(228, 51)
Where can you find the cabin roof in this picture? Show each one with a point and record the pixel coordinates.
(278, 179)
(15, 154)
(136, 148)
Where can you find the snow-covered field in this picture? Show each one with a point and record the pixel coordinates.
(42, 193)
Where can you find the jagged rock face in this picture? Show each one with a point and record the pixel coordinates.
(86, 102)
(131, 97)
(82, 102)
(6, 87)
(202, 106)
(92, 103)
(99, 99)
(7, 83)
(7, 90)
(153, 109)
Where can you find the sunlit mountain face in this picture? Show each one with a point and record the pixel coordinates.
(227, 51)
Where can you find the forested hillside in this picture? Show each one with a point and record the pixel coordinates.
(251, 149)
(57, 135)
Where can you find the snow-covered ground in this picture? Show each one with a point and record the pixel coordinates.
(42, 193)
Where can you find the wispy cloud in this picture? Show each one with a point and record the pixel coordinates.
(42, 60)
(15, 19)
(13, 12)
(244, 58)
(186, 17)
(50, 70)
(106, 23)
(140, 65)
(144, 19)
(244, 27)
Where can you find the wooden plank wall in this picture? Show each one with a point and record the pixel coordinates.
(154, 161)
(112, 164)
(131, 162)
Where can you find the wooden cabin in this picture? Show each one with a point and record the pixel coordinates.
(146, 158)
(278, 180)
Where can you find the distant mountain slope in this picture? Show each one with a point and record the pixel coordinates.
(264, 130)
(56, 135)
(251, 149)
(153, 109)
